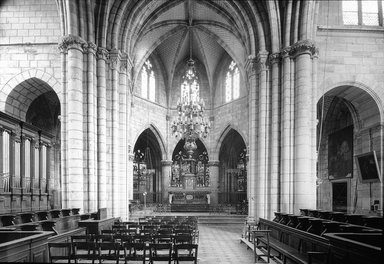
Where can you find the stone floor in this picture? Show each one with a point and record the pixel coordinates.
(221, 244)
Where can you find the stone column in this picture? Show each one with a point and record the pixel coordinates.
(91, 148)
(125, 67)
(252, 127)
(214, 181)
(1, 158)
(22, 163)
(274, 178)
(73, 47)
(166, 174)
(102, 56)
(12, 137)
(304, 173)
(286, 199)
(115, 58)
(263, 134)
(130, 155)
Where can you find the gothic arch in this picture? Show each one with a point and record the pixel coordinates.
(223, 135)
(37, 76)
(355, 93)
(158, 137)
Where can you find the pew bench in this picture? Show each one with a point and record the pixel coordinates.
(287, 254)
(291, 245)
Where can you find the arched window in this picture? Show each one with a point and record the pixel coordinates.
(367, 12)
(148, 83)
(190, 89)
(232, 83)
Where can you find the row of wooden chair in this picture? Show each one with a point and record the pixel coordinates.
(114, 251)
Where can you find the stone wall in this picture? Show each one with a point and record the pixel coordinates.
(351, 67)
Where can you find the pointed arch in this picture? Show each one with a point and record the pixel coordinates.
(158, 136)
(223, 135)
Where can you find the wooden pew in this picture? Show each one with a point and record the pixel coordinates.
(355, 248)
(292, 245)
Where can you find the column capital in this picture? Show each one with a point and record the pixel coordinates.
(214, 163)
(166, 162)
(303, 47)
(71, 42)
(90, 47)
(1, 129)
(114, 59)
(102, 54)
(257, 63)
(284, 53)
(274, 58)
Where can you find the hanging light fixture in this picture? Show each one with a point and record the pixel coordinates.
(190, 123)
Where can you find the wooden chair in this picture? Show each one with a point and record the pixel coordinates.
(134, 252)
(59, 251)
(182, 239)
(186, 252)
(85, 251)
(160, 238)
(160, 252)
(108, 251)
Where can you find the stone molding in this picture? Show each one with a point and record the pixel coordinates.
(71, 42)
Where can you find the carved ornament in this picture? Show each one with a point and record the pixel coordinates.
(90, 47)
(71, 42)
(102, 54)
(274, 58)
(302, 47)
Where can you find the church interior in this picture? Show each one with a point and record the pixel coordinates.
(114, 112)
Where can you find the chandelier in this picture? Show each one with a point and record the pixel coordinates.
(190, 123)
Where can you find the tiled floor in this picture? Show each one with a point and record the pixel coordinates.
(221, 244)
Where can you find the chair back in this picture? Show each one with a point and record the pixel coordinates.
(109, 251)
(85, 251)
(160, 252)
(134, 251)
(186, 252)
(59, 251)
(183, 239)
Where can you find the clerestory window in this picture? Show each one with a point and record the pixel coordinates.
(232, 83)
(148, 84)
(363, 12)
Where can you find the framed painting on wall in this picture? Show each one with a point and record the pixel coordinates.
(368, 167)
(340, 154)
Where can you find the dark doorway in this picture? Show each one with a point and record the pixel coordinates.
(340, 196)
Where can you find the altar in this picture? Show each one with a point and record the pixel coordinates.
(189, 197)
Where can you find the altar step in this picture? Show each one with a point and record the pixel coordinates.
(189, 207)
(221, 219)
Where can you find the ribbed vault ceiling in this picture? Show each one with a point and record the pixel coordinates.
(219, 28)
